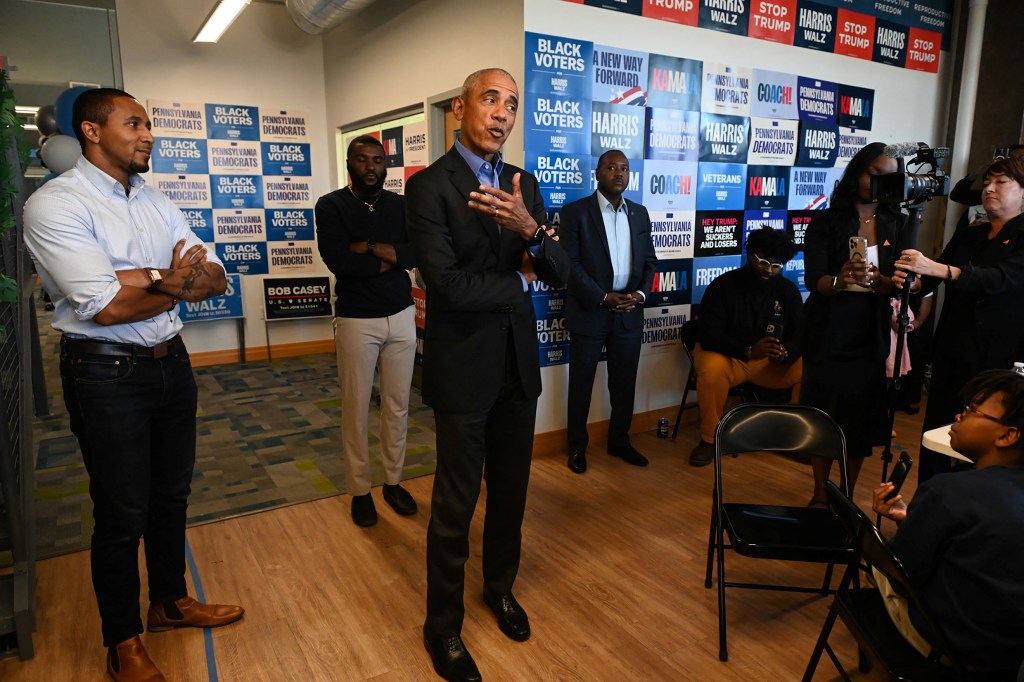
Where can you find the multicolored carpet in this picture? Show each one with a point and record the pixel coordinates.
(269, 435)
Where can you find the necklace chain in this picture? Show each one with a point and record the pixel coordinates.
(368, 204)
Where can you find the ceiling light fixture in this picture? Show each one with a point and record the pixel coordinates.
(222, 16)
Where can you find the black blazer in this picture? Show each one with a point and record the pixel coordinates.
(474, 293)
(584, 238)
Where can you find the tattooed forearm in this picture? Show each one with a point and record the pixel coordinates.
(194, 282)
(192, 275)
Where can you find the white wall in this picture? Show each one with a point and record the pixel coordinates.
(909, 106)
(263, 59)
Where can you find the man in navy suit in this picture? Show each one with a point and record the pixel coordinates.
(608, 239)
(477, 228)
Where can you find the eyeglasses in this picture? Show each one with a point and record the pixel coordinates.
(774, 267)
(969, 408)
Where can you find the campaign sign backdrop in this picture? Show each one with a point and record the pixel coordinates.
(620, 76)
(856, 107)
(670, 185)
(672, 234)
(677, 11)
(671, 285)
(243, 258)
(855, 34)
(290, 224)
(562, 178)
(226, 306)
(286, 158)
(815, 27)
(177, 119)
(558, 124)
(558, 66)
(773, 142)
(662, 328)
(811, 188)
(756, 220)
(232, 122)
(552, 336)
(287, 298)
(674, 82)
(634, 190)
(394, 151)
(234, 157)
(728, 17)
(721, 186)
(237, 191)
(767, 187)
(726, 89)
(816, 100)
(200, 221)
(239, 225)
(850, 142)
(819, 144)
(890, 43)
(717, 233)
(672, 134)
(180, 155)
(799, 221)
(705, 270)
(773, 20)
(774, 95)
(617, 126)
(186, 191)
(724, 139)
(794, 271)
(287, 257)
(283, 125)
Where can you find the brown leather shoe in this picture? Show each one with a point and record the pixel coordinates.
(190, 614)
(129, 662)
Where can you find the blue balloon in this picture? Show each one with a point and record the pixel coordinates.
(64, 107)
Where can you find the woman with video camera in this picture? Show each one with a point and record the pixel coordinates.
(982, 321)
(846, 339)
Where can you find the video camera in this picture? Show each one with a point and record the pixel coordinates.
(917, 187)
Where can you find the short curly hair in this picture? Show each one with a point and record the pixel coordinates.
(771, 244)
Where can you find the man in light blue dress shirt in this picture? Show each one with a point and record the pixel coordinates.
(608, 239)
(116, 256)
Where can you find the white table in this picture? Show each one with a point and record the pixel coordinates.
(938, 440)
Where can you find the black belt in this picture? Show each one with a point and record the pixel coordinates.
(160, 350)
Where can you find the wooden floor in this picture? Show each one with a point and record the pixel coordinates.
(612, 577)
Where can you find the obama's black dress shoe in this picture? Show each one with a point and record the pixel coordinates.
(630, 455)
(577, 461)
(450, 658)
(512, 619)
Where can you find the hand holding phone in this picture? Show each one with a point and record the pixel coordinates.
(899, 474)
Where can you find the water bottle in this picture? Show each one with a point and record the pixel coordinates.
(1018, 367)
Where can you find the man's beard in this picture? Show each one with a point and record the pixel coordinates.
(135, 167)
(362, 187)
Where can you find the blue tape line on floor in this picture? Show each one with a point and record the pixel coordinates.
(211, 658)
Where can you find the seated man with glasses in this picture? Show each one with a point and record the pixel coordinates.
(960, 538)
(749, 326)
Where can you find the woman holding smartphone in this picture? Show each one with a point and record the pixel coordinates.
(848, 253)
(982, 321)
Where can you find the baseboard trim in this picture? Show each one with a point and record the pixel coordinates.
(284, 350)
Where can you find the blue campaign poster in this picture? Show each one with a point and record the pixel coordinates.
(200, 221)
(674, 82)
(287, 158)
(794, 271)
(856, 107)
(721, 186)
(819, 145)
(724, 139)
(556, 124)
(817, 100)
(559, 66)
(767, 187)
(244, 258)
(237, 191)
(815, 27)
(552, 336)
(672, 283)
(672, 134)
(180, 155)
(617, 126)
(706, 270)
(620, 76)
(755, 220)
(562, 178)
(228, 305)
(289, 224)
(634, 190)
(232, 122)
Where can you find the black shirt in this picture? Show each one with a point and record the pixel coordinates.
(363, 290)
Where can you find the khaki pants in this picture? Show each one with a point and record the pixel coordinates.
(717, 373)
(363, 345)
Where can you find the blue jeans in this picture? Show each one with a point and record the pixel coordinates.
(135, 420)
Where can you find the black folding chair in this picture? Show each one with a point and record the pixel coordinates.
(863, 611)
(796, 533)
(690, 333)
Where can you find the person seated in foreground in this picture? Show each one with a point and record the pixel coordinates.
(749, 326)
(960, 538)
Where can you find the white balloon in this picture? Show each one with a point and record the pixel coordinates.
(60, 152)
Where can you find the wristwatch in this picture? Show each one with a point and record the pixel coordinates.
(155, 278)
(539, 237)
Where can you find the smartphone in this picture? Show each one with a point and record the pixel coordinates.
(899, 474)
(859, 246)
